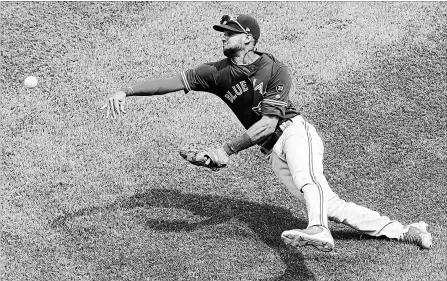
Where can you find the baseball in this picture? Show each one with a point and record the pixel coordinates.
(30, 82)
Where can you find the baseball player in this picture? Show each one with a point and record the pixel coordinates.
(256, 86)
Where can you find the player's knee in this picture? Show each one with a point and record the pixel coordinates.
(302, 179)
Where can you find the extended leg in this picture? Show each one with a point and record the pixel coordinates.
(372, 223)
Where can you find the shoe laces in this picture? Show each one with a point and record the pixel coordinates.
(413, 236)
(418, 237)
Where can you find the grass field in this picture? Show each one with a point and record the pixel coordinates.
(88, 198)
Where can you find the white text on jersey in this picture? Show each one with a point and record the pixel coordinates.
(238, 90)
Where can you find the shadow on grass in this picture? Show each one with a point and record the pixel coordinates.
(266, 221)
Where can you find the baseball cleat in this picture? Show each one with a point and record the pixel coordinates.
(318, 236)
(417, 234)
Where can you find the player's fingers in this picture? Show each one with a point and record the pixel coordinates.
(112, 108)
(122, 107)
(116, 104)
(108, 109)
(106, 106)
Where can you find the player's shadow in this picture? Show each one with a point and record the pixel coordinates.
(266, 221)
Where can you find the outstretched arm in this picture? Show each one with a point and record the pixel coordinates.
(152, 87)
(155, 87)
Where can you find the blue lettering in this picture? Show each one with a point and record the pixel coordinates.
(237, 89)
(244, 86)
(230, 97)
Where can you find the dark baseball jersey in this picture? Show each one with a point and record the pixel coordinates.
(251, 91)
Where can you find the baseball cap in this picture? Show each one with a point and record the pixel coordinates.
(241, 24)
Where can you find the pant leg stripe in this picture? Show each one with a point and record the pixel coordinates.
(312, 174)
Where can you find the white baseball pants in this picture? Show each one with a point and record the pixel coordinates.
(297, 160)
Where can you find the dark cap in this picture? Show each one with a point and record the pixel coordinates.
(241, 24)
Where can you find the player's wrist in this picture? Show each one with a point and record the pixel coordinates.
(127, 90)
(239, 144)
(228, 149)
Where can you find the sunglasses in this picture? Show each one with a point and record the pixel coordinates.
(227, 19)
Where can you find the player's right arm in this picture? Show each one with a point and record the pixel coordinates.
(201, 78)
(115, 104)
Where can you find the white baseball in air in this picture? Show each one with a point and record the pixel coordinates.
(30, 82)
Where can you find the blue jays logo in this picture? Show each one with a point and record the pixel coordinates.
(257, 109)
(259, 87)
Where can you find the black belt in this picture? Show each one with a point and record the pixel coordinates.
(269, 142)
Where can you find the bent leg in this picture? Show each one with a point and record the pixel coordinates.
(283, 173)
(301, 170)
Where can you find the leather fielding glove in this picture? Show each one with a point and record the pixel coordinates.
(214, 159)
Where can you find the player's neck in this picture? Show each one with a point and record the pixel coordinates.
(245, 58)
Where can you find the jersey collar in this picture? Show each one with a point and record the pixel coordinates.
(252, 67)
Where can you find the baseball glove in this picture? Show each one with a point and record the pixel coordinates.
(212, 159)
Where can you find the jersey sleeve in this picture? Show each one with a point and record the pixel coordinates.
(276, 97)
(201, 78)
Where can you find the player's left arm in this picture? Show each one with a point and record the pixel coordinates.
(218, 157)
(263, 128)
(273, 109)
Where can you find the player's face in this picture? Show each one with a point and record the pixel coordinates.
(233, 43)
